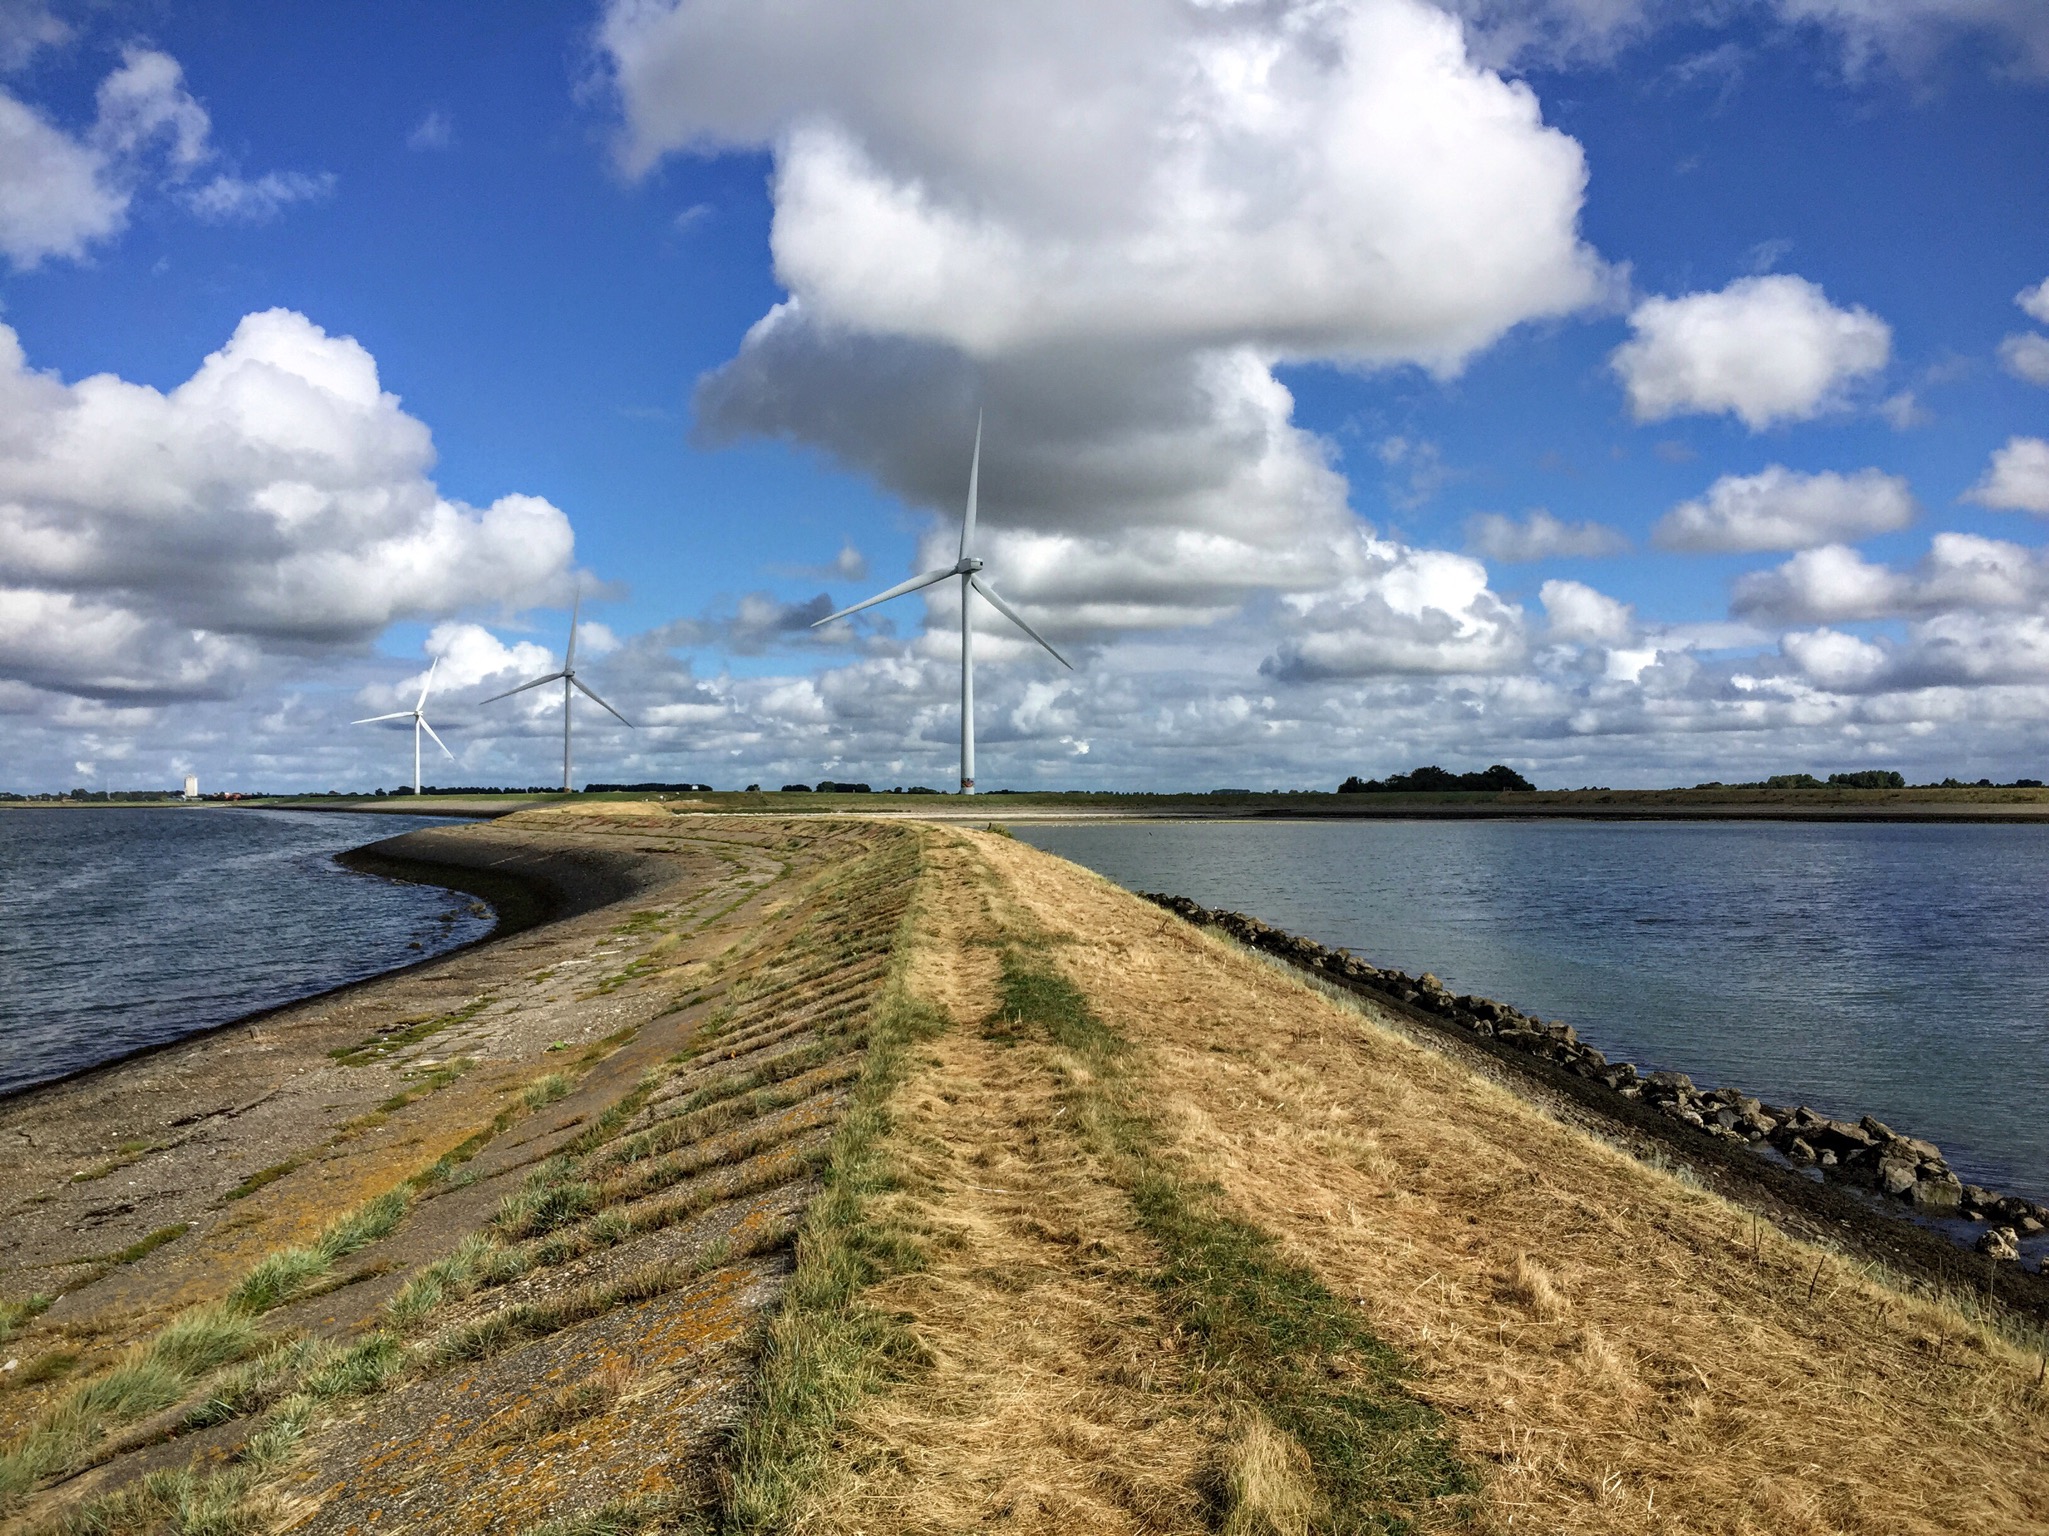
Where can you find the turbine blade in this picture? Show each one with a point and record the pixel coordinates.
(522, 688)
(577, 684)
(437, 740)
(1010, 613)
(967, 524)
(426, 683)
(898, 590)
(575, 612)
(403, 714)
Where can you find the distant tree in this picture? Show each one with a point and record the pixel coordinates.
(1499, 779)
(1869, 778)
(1793, 781)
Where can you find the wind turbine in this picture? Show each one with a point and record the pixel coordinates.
(968, 569)
(568, 678)
(419, 724)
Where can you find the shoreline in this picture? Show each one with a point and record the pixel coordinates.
(519, 900)
(1555, 1069)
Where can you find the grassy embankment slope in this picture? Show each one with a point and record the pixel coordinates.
(1106, 1225)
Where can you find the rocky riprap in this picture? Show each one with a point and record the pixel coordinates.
(1865, 1152)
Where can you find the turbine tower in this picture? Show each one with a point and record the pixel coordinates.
(419, 724)
(568, 678)
(968, 569)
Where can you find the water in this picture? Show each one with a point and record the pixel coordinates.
(127, 928)
(1886, 969)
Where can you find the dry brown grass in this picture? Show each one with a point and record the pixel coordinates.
(1050, 1395)
(1601, 1333)
(1267, 1483)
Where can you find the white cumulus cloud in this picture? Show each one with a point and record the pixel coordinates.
(229, 199)
(277, 503)
(1403, 612)
(1540, 536)
(1780, 508)
(2017, 480)
(2026, 356)
(62, 192)
(2035, 300)
(1106, 225)
(1576, 611)
(1961, 573)
(1764, 349)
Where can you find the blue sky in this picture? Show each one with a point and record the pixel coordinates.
(1272, 309)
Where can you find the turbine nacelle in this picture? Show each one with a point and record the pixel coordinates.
(566, 676)
(968, 569)
(418, 715)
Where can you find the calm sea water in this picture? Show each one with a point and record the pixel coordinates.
(127, 928)
(1894, 970)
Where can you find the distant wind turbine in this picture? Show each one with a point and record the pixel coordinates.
(968, 569)
(419, 724)
(568, 678)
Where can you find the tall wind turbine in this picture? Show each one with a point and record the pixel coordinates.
(568, 678)
(419, 724)
(968, 569)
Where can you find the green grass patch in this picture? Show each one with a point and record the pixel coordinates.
(14, 1314)
(265, 1176)
(828, 1346)
(125, 1154)
(1271, 1337)
(45, 1367)
(544, 1091)
(143, 1247)
(394, 1038)
(435, 1079)
(665, 1512)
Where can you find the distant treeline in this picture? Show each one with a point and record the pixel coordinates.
(105, 795)
(473, 789)
(1499, 779)
(1867, 778)
(834, 787)
(646, 789)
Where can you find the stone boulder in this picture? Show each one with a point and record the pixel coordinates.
(2000, 1243)
(1936, 1191)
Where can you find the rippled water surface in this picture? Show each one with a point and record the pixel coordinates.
(127, 928)
(1886, 969)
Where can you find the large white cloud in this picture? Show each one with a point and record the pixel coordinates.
(156, 544)
(1780, 508)
(2035, 300)
(1403, 612)
(1314, 179)
(1764, 349)
(1961, 573)
(1106, 225)
(2017, 480)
